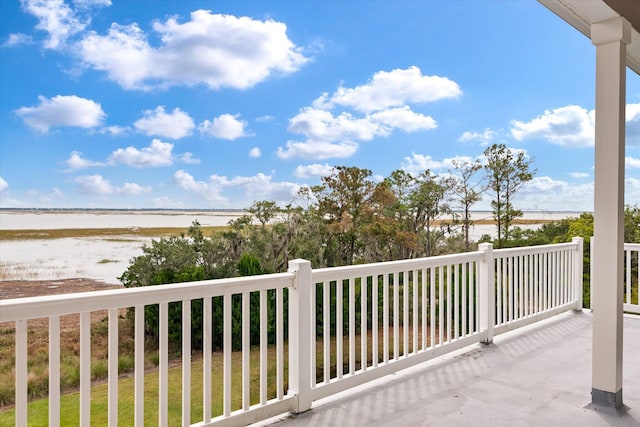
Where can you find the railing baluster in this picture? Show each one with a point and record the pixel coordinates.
(432, 305)
(313, 332)
(385, 317)
(186, 362)
(246, 351)
(456, 300)
(280, 343)
(405, 313)
(138, 387)
(352, 326)
(326, 329)
(423, 303)
(396, 316)
(85, 368)
(54, 370)
(163, 368)
(207, 314)
(21, 373)
(449, 300)
(527, 285)
(374, 321)
(363, 323)
(415, 287)
(227, 350)
(441, 304)
(628, 276)
(112, 392)
(465, 302)
(339, 328)
(264, 346)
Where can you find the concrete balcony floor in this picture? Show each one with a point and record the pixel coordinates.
(536, 376)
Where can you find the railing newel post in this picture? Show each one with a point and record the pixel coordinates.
(578, 266)
(487, 292)
(300, 339)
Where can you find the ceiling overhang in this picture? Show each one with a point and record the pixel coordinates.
(582, 13)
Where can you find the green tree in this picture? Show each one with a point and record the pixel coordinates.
(466, 190)
(507, 170)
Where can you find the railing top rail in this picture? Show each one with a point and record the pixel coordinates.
(374, 269)
(44, 306)
(524, 250)
(632, 246)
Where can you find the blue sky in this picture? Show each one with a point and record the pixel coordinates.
(216, 104)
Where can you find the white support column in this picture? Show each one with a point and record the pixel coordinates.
(610, 38)
(487, 295)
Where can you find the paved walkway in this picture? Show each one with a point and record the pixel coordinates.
(536, 376)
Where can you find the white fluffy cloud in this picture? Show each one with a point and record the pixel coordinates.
(56, 18)
(211, 49)
(258, 187)
(17, 39)
(578, 175)
(319, 150)
(62, 111)
(157, 154)
(114, 130)
(3, 184)
(572, 126)
(378, 109)
(96, 185)
(308, 171)
(483, 137)
(418, 163)
(392, 89)
(75, 162)
(255, 152)
(544, 192)
(188, 159)
(632, 162)
(225, 126)
(174, 125)
(133, 189)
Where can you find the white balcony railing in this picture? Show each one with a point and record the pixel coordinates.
(631, 277)
(345, 326)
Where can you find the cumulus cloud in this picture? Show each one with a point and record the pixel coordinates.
(632, 162)
(255, 152)
(578, 175)
(418, 163)
(96, 185)
(188, 158)
(133, 189)
(211, 49)
(392, 89)
(572, 126)
(157, 154)
(379, 108)
(633, 124)
(174, 125)
(62, 111)
(483, 137)
(308, 171)
(17, 39)
(56, 18)
(544, 192)
(166, 202)
(257, 187)
(3, 184)
(319, 150)
(114, 130)
(75, 162)
(225, 126)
